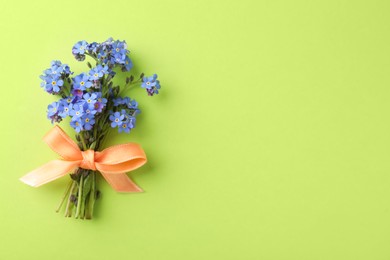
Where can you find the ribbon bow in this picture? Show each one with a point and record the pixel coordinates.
(112, 163)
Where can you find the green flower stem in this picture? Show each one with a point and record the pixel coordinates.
(82, 208)
(79, 196)
(129, 85)
(69, 204)
(64, 197)
(92, 197)
(104, 134)
(87, 54)
(83, 141)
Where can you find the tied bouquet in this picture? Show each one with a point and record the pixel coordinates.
(94, 104)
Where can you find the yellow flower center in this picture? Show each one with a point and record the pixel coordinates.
(53, 82)
(82, 83)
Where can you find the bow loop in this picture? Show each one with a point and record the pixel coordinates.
(62, 144)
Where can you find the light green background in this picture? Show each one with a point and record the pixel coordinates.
(270, 139)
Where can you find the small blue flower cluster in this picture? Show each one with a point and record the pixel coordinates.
(109, 52)
(151, 84)
(54, 77)
(91, 80)
(123, 115)
(82, 110)
(90, 99)
(84, 102)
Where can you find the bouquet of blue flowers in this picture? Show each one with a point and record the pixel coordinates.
(94, 104)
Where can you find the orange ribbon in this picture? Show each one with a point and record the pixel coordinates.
(112, 163)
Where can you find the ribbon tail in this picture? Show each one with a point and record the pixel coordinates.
(120, 182)
(49, 172)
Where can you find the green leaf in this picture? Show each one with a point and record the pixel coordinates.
(93, 145)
